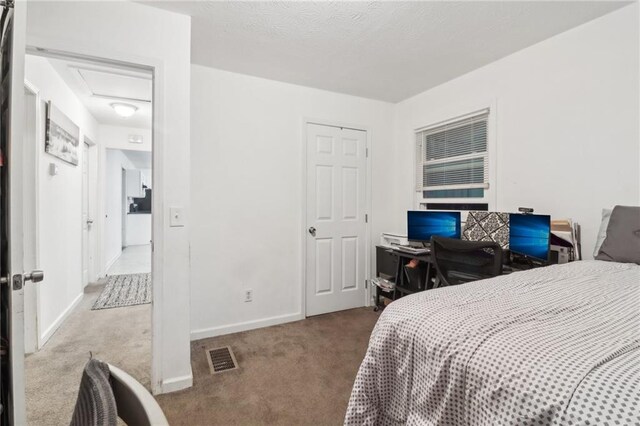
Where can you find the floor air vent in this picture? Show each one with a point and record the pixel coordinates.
(221, 359)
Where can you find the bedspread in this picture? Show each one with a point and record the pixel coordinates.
(553, 345)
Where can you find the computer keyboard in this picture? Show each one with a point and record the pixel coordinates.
(413, 250)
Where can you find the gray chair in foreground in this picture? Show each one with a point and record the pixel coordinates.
(136, 406)
(106, 393)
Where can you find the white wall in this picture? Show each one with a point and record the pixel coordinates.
(60, 202)
(567, 123)
(139, 34)
(115, 162)
(138, 229)
(246, 169)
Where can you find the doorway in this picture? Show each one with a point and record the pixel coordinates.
(336, 218)
(81, 309)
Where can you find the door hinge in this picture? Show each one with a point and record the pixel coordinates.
(366, 284)
(366, 218)
(367, 151)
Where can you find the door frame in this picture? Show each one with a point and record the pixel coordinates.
(86, 198)
(92, 191)
(157, 68)
(303, 222)
(33, 340)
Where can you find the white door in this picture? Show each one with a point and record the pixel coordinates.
(12, 185)
(86, 221)
(336, 227)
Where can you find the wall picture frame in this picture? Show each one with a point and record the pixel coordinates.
(62, 136)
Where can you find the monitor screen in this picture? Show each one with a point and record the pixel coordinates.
(422, 224)
(529, 235)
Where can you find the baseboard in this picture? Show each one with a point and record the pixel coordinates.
(204, 333)
(175, 384)
(111, 262)
(58, 322)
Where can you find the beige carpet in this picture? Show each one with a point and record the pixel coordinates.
(120, 336)
(292, 374)
(299, 373)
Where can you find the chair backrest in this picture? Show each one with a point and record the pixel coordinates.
(459, 261)
(136, 406)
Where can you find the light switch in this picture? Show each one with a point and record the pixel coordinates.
(177, 216)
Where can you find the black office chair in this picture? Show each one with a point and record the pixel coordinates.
(459, 261)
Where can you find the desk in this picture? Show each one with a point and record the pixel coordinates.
(390, 264)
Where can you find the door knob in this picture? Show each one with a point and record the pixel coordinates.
(312, 231)
(89, 221)
(35, 276)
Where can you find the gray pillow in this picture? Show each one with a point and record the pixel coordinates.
(622, 243)
(602, 232)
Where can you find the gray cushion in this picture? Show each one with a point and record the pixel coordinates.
(622, 243)
(96, 404)
(602, 232)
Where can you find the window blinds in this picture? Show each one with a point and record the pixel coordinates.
(453, 155)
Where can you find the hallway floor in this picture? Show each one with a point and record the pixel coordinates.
(119, 336)
(133, 260)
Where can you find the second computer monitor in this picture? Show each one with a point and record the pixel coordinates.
(529, 235)
(423, 224)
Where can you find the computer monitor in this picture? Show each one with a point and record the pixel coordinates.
(529, 235)
(423, 224)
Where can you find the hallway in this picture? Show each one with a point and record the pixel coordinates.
(133, 260)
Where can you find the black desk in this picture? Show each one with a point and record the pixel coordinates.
(390, 264)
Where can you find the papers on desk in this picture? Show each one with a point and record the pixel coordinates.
(384, 284)
(567, 234)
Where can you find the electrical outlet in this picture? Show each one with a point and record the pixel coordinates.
(248, 295)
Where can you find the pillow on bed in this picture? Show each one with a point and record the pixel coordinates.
(622, 243)
(602, 232)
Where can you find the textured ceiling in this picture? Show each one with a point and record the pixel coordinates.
(380, 50)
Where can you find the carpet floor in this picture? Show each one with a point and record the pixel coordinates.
(119, 336)
(299, 373)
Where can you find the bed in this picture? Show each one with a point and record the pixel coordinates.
(554, 345)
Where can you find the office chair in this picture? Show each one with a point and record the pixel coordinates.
(459, 261)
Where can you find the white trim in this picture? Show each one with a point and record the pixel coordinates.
(175, 384)
(461, 117)
(110, 263)
(205, 333)
(303, 221)
(44, 338)
(34, 340)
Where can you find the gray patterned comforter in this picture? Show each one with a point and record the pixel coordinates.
(555, 345)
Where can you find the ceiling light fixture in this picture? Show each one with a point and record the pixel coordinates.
(124, 110)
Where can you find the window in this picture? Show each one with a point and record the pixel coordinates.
(453, 160)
